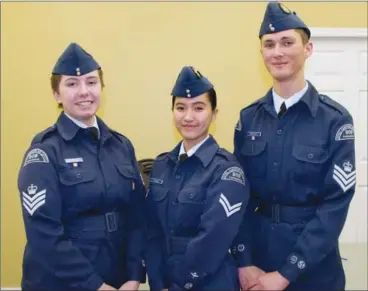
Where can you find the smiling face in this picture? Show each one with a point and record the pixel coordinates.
(193, 117)
(80, 96)
(284, 54)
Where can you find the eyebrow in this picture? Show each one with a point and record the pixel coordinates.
(195, 103)
(283, 38)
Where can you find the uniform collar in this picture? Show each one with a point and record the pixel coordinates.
(68, 128)
(278, 100)
(82, 125)
(193, 149)
(310, 99)
(205, 153)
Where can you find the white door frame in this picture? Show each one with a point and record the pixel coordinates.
(322, 32)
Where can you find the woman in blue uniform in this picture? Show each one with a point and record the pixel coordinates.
(196, 198)
(81, 192)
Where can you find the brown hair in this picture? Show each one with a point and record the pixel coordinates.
(55, 82)
(303, 35)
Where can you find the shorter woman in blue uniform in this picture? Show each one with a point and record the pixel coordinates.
(196, 199)
(81, 192)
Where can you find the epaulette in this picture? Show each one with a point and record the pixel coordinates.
(43, 134)
(252, 104)
(333, 104)
(226, 154)
(162, 156)
(120, 136)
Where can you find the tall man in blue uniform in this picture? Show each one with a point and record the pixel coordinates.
(297, 150)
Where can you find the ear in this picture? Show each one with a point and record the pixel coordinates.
(308, 49)
(57, 97)
(214, 115)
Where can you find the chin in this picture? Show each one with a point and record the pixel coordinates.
(189, 135)
(280, 76)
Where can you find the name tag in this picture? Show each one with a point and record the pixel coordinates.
(73, 160)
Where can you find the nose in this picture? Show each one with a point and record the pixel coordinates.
(277, 52)
(83, 90)
(188, 116)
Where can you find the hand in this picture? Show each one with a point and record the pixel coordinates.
(248, 276)
(105, 287)
(271, 281)
(130, 286)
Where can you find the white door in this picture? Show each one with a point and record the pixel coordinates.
(338, 68)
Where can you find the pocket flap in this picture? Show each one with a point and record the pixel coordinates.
(310, 154)
(192, 195)
(127, 171)
(157, 193)
(253, 148)
(71, 177)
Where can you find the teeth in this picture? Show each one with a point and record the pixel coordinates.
(85, 103)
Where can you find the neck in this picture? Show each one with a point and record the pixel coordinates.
(87, 121)
(288, 88)
(190, 143)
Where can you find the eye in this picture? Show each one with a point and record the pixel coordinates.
(71, 84)
(268, 45)
(179, 108)
(92, 82)
(198, 109)
(288, 43)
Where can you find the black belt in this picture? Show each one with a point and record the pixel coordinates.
(285, 213)
(99, 220)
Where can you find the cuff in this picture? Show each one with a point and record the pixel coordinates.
(293, 268)
(136, 272)
(93, 283)
(242, 255)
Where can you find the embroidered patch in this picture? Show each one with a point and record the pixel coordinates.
(234, 174)
(344, 176)
(156, 181)
(194, 275)
(238, 125)
(36, 156)
(229, 209)
(33, 199)
(345, 132)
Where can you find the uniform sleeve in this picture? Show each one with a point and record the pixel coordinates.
(136, 226)
(241, 248)
(322, 233)
(154, 253)
(42, 209)
(227, 198)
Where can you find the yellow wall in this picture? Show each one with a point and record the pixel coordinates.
(142, 47)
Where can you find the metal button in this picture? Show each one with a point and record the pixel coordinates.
(79, 175)
(275, 164)
(191, 196)
(310, 156)
(178, 177)
(279, 131)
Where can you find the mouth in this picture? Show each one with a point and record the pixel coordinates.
(279, 64)
(84, 103)
(189, 126)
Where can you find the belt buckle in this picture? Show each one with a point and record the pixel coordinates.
(111, 221)
(276, 212)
